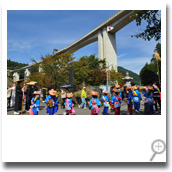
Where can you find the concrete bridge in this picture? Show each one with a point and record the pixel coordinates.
(106, 41)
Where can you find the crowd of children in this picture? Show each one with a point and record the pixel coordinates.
(109, 101)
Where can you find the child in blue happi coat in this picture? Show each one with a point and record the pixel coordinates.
(137, 98)
(116, 102)
(105, 100)
(149, 99)
(52, 102)
(35, 103)
(129, 97)
(94, 104)
(118, 88)
(68, 103)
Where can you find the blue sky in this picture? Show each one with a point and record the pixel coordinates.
(31, 34)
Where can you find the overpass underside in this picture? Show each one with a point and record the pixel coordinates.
(106, 40)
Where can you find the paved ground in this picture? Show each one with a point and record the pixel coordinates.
(124, 111)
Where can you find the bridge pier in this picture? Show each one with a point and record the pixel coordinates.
(16, 76)
(26, 73)
(40, 69)
(109, 49)
(100, 45)
(106, 40)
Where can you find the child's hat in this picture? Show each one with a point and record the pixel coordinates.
(52, 92)
(31, 83)
(94, 93)
(118, 86)
(20, 80)
(105, 92)
(69, 95)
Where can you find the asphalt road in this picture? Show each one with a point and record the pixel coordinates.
(124, 110)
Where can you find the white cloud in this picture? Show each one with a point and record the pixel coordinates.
(19, 45)
(121, 55)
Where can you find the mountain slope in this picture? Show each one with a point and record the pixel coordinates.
(12, 65)
(136, 78)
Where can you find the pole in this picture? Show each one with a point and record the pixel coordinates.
(22, 100)
(107, 78)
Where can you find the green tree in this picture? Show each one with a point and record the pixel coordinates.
(55, 68)
(116, 76)
(42, 79)
(148, 74)
(93, 62)
(12, 65)
(97, 77)
(153, 27)
(85, 69)
(81, 72)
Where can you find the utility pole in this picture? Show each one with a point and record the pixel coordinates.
(109, 76)
(107, 83)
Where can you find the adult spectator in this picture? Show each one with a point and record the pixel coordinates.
(18, 98)
(156, 96)
(63, 97)
(83, 98)
(29, 94)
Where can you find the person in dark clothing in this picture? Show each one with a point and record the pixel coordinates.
(44, 93)
(28, 98)
(29, 92)
(156, 96)
(33, 89)
(18, 98)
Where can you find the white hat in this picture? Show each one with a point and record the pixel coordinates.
(84, 87)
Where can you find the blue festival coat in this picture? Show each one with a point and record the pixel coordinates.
(97, 102)
(149, 97)
(129, 98)
(115, 101)
(120, 93)
(53, 109)
(136, 96)
(68, 104)
(105, 100)
(35, 107)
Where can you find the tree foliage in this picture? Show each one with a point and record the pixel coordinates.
(85, 70)
(149, 73)
(88, 70)
(115, 76)
(42, 79)
(55, 69)
(97, 77)
(12, 65)
(153, 27)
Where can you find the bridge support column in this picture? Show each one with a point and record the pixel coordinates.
(40, 69)
(109, 49)
(100, 45)
(16, 76)
(26, 73)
